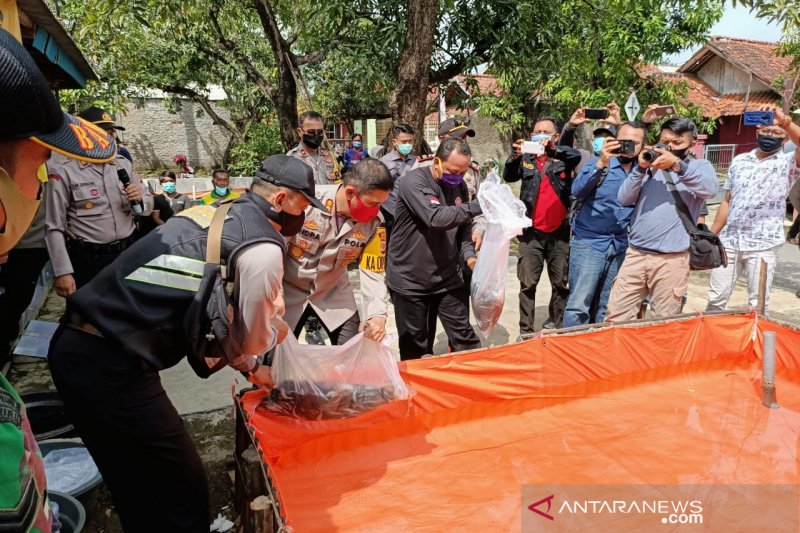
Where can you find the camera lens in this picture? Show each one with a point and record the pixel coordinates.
(650, 156)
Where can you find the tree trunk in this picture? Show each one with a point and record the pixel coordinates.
(285, 100)
(409, 99)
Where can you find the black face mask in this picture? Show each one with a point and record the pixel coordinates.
(768, 144)
(627, 160)
(312, 140)
(680, 154)
(290, 224)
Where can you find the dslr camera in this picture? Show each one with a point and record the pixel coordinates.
(651, 155)
(626, 147)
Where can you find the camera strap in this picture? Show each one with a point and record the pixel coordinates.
(680, 205)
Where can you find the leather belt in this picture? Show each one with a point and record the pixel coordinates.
(106, 248)
(75, 321)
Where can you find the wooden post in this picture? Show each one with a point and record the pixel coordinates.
(250, 487)
(261, 515)
(762, 287)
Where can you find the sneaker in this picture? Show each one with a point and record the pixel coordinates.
(549, 324)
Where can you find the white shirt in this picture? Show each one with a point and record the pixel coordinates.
(758, 200)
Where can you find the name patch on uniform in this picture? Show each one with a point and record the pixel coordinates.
(374, 256)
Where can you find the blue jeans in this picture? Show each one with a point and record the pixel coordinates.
(591, 275)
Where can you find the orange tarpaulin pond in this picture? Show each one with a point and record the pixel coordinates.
(673, 403)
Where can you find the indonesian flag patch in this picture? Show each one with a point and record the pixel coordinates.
(434, 200)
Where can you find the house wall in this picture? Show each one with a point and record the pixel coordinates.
(154, 136)
(727, 78)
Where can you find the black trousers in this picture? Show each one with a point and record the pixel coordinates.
(133, 432)
(415, 317)
(338, 336)
(88, 260)
(536, 249)
(18, 276)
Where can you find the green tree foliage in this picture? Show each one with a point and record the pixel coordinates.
(590, 53)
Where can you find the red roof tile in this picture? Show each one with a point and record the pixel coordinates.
(758, 57)
(712, 103)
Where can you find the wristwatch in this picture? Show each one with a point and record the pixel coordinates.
(248, 374)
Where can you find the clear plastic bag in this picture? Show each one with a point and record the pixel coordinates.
(505, 216)
(330, 382)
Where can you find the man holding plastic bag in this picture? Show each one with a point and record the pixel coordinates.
(430, 241)
(505, 215)
(315, 282)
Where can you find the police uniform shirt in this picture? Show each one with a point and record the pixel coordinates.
(86, 201)
(398, 166)
(315, 268)
(321, 163)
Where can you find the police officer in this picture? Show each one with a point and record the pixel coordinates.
(310, 151)
(100, 117)
(90, 215)
(28, 108)
(128, 323)
(315, 270)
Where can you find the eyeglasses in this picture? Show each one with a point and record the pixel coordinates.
(462, 122)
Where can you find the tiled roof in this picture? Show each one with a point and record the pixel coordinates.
(712, 103)
(758, 57)
(487, 84)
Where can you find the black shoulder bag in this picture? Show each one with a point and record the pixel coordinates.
(705, 247)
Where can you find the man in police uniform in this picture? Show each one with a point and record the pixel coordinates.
(315, 269)
(310, 151)
(33, 125)
(101, 117)
(130, 322)
(89, 216)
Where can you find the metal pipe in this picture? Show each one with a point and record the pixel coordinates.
(768, 371)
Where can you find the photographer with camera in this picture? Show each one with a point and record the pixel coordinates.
(545, 169)
(600, 226)
(750, 218)
(657, 260)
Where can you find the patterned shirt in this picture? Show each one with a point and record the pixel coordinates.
(758, 200)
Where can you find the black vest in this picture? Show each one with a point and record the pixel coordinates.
(141, 298)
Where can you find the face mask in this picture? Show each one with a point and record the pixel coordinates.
(405, 149)
(221, 191)
(19, 209)
(627, 160)
(290, 224)
(597, 144)
(362, 213)
(680, 154)
(169, 187)
(356, 144)
(768, 144)
(449, 179)
(539, 137)
(312, 140)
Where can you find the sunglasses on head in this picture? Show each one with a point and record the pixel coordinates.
(461, 122)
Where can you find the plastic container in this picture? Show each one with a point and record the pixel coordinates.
(71, 513)
(48, 446)
(47, 417)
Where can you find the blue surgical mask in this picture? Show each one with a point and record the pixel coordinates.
(169, 187)
(405, 149)
(539, 137)
(221, 191)
(356, 144)
(597, 144)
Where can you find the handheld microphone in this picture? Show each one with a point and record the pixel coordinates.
(138, 206)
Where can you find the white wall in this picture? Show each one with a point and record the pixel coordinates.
(727, 78)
